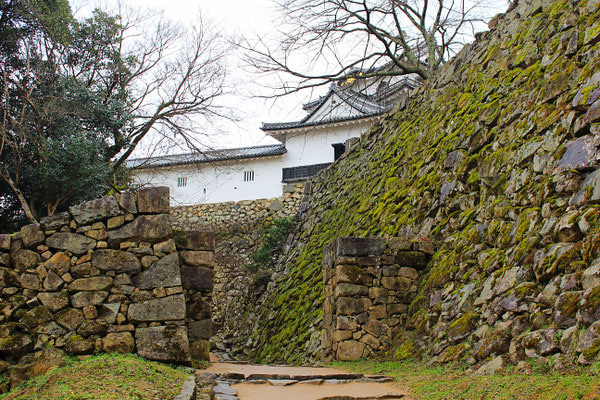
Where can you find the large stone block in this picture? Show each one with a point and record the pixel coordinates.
(60, 263)
(350, 351)
(200, 330)
(414, 259)
(355, 246)
(94, 283)
(163, 343)
(54, 301)
(95, 210)
(197, 278)
(349, 289)
(396, 283)
(153, 200)
(194, 240)
(73, 242)
(163, 309)
(163, 273)
(127, 202)
(55, 221)
(36, 364)
(352, 274)
(198, 258)
(352, 306)
(119, 261)
(120, 342)
(200, 349)
(147, 228)
(32, 235)
(84, 299)
(70, 319)
(25, 259)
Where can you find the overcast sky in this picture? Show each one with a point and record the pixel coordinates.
(247, 18)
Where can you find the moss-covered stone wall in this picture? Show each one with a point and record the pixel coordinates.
(497, 160)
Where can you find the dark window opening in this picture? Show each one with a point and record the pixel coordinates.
(338, 150)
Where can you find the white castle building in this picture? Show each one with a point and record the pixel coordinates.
(307, 146)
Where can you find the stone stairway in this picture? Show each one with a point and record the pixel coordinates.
(233, 381)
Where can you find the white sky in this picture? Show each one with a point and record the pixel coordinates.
(247, 18)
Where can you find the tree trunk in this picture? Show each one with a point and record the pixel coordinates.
(28, 212)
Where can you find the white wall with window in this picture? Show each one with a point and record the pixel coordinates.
(217, 182)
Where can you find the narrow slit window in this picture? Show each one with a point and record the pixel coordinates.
(248, 176)
(182, 181)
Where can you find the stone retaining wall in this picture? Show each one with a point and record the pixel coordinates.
(369, 284)
(233, 216)
(105, 277)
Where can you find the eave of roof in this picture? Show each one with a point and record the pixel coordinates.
(209, 156)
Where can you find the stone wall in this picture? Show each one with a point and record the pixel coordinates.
(369, 284)
(497, 159)
(237, 227)
(105, 277)
(235, 216)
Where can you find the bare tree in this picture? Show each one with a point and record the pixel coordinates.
(341, 39)
(113, 79)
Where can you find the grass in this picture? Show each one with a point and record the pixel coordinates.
(104, 377)
(444, 382)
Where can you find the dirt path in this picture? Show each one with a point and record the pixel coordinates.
(261, 382)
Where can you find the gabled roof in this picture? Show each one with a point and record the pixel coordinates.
(208, 156)
(360, 106)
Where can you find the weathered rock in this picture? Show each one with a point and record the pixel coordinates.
(153, 200)
(15, 346)
(147, 228)
(89, 328)
(163, 309)
(95, 283)
(199, 349)
(5, 260)
(194, 240)
(127, 202)
(566, 309)
(70, 319)
(23, 259)
(197, 278)
(119, 261)
(121, 342)
(53, 282)
(59, 262)
(95, 210)
(166, 247)
(54, 301)
(589, 309)
(349, 289)
(77, 345)
(397, 283)
(353, 246)
(31, 281)
(163, 343)
(352, 306)
(350, 351)
(491, 367)
(589, 344)
(540, 343)
(36, 317)
(8, 278)
(198, 258)
(591, 276)
(108, 312)
(84, 299)
(73, 242)
(32, 235)
(163, 273)
(36, 364)
(353, 274)
(5, 241)
(200, 330)
(55, 222)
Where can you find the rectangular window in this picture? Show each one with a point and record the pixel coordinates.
(248, 176)
(182, 181)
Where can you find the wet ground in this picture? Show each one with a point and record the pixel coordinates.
(262, 382)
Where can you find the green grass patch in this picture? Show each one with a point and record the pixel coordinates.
(439, 382)
(104, 377)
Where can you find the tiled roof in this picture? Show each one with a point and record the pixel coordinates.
(208, 156)
(366, 105)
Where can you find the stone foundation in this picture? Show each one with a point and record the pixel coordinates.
(369, 284)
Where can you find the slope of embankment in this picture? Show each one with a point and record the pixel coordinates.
(496, 162)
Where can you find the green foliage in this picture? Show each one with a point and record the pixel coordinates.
(271, 244)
